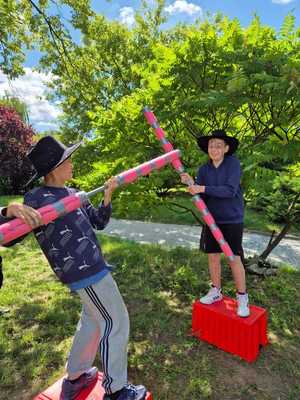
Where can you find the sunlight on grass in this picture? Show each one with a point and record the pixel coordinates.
(158, 287)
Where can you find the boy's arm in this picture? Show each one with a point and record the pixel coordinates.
(200, 176)
(27, 214)
(2, 214)
(199, 185)
(100, 217)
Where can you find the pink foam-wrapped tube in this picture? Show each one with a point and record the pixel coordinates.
(200, 204)
(150, 117)
(209, 219)
(71, 203)
(160, 163)
(13, 229)
(129, 176)
(160, 134)
(16, 228)
(145, 168)
(218, 235)
(167, 147)
(177, 165)
(227, 250)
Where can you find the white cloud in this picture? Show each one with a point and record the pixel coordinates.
(31, 89)
(182, 6)
(127, 16)
(282, 1)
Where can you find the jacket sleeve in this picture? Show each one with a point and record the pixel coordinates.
(200, 180)
(200, 176)
(99, 217)
(231, 184)
(2, 217)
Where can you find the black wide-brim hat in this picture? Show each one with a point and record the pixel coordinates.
(232, 142)
(47, 154)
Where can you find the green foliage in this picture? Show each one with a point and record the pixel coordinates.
(17, 104)
(210, 74)
(196, 78)
(34, 25)
(15, 140)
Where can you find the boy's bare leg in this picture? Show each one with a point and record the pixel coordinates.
(238, 272)
(214, 262)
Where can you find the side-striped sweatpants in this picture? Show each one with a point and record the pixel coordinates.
(104, 324)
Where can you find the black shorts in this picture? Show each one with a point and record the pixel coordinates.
(233, 234)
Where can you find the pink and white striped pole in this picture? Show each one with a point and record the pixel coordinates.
(206, 215)
(15, 228)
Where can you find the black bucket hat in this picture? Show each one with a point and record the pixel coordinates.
(47, 154)
(232, 142)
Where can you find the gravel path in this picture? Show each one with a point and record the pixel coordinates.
(288, 251)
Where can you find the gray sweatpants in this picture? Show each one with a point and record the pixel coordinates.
(104, 324)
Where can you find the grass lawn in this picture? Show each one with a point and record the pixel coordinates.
(4, 200)
(159, 286)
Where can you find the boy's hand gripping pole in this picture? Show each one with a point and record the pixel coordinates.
(16, 228)
(199, 203)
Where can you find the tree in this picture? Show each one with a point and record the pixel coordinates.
(15, 139)
(29, 24)
(196, 78)
(18, 105)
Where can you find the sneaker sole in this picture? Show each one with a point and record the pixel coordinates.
(215, 301)
(243, 316)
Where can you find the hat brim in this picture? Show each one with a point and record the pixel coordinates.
(232, 142)
(67, 153)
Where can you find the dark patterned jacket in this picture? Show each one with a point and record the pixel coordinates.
(69, 242)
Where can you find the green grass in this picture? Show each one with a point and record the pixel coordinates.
(158, 286)
(4, 200)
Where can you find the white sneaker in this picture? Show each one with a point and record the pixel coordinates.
(214, 294)
(243, 305)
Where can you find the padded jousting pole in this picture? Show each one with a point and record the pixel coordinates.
(177, 164)
(15, 228)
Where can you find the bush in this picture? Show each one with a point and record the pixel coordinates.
(15, 140)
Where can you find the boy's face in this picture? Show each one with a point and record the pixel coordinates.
(64, 172)
(217, 149)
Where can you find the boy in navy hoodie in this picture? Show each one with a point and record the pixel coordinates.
(218, 183)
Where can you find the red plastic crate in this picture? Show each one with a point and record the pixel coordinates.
(94, 392)
(219, 325)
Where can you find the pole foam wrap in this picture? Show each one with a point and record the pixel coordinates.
(15, 228)
(161, 136)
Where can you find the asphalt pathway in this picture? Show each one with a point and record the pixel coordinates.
(288, 251)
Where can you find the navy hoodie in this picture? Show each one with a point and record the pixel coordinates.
(223, 194)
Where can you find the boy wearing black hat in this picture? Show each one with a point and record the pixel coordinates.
(72, 249)
(218, 183)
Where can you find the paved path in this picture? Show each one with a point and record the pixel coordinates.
(288, 251)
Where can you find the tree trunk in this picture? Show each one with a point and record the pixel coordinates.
(277, 239)
(290, 220)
